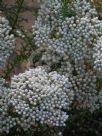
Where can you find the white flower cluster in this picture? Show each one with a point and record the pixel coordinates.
(6, 121)
(98, 56)
(86, 92)
(75, 37)
(73, 34)
(57, 61)
(7, 41)
(37, 96)
(83, 8)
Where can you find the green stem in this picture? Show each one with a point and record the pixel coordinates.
(20, 4)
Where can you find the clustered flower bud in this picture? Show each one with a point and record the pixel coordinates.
(57, 61)
(76, 38)
(86, 96)
(37, 96)
(6, 121)
(74, 35)
(7, 42)
(98, 56)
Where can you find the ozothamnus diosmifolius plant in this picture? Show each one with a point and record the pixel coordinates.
(68, 78)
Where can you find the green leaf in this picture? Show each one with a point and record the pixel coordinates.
(66, 10)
